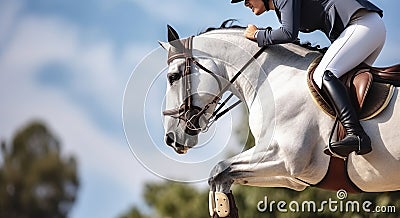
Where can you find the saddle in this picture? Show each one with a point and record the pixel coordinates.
(370, 89)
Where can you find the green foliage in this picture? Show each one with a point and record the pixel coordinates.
(176, 200)
(134, 213)
(35, 180)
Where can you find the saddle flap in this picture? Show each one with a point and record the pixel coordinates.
(369, 95)
(362, 82)
(358, 83)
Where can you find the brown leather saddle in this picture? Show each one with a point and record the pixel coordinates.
(371, 89)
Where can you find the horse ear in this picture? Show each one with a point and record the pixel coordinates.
(172, 34)
(165, 45)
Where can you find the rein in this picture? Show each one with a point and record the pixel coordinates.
(190, 113)
(234, 78)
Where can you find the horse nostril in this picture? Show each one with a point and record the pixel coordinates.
(169, 139)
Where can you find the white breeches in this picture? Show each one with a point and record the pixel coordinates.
(361, 41)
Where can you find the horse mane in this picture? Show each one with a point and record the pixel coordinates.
(230, 24)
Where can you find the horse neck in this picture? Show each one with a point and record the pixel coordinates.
(231, 51)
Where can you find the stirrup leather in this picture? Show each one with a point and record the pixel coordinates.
(218, 202)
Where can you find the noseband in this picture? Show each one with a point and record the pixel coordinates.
(188, 112)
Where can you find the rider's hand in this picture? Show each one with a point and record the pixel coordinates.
(250, 32)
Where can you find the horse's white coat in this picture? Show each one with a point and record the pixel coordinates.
(289, 129)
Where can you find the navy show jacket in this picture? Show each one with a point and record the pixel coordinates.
(329, 16)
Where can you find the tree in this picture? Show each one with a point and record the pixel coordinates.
(35, 179)
(172, 199)
(134, 212)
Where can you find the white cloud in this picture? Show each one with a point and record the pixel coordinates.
(30, 42)
(191, 12)
(168, 9)
(38, 41)
(8, 13)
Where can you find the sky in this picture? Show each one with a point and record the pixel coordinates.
(67, 63)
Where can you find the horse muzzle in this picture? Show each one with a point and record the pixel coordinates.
(170, 140)
(191, 116)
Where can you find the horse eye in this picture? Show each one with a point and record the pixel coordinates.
(172, 77)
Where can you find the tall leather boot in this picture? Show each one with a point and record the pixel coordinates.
(356, 139)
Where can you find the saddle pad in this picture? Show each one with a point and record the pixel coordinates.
(370, 98)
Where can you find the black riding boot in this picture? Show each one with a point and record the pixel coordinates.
(356, 139)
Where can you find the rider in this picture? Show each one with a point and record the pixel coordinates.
(357, 33)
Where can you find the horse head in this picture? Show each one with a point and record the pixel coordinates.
(192, 93)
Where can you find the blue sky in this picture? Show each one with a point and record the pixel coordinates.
(67, 63)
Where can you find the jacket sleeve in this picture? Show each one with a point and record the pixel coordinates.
(289, 11)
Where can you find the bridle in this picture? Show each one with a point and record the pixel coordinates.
(188, 112)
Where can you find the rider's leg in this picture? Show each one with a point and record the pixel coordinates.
(361, 41)
(356, 139)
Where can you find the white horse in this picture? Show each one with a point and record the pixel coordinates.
(290, 130)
